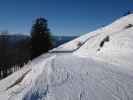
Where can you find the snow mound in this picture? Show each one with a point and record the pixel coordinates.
(19, 83)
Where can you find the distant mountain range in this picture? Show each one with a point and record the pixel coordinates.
(57, 40)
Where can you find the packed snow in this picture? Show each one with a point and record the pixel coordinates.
(99, 67)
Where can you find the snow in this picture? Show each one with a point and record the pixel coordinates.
(116, 26)
(32, 70)
(88, 72)
(119, 47)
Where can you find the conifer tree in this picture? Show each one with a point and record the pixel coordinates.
(40, 38)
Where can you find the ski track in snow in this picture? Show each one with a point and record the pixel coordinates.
(97, 77)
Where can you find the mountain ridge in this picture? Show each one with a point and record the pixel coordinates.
(101, 69)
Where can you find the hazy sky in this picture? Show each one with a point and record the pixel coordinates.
(65, 17)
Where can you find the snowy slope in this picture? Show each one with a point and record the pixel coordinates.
(68, 77)
(116, 26)
(101, 69)
(118, 49)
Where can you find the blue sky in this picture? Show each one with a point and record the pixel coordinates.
(65, 17)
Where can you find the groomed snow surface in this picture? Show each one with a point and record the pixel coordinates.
(99, 68)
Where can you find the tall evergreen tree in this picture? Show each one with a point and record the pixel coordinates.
(40, 37)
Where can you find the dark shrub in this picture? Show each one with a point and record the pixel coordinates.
(129, 26)
(106, 39)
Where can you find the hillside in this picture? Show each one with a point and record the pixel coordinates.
(95, 66)
(15, 49)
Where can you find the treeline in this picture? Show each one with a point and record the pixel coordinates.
(13, 55)
(14, 52)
